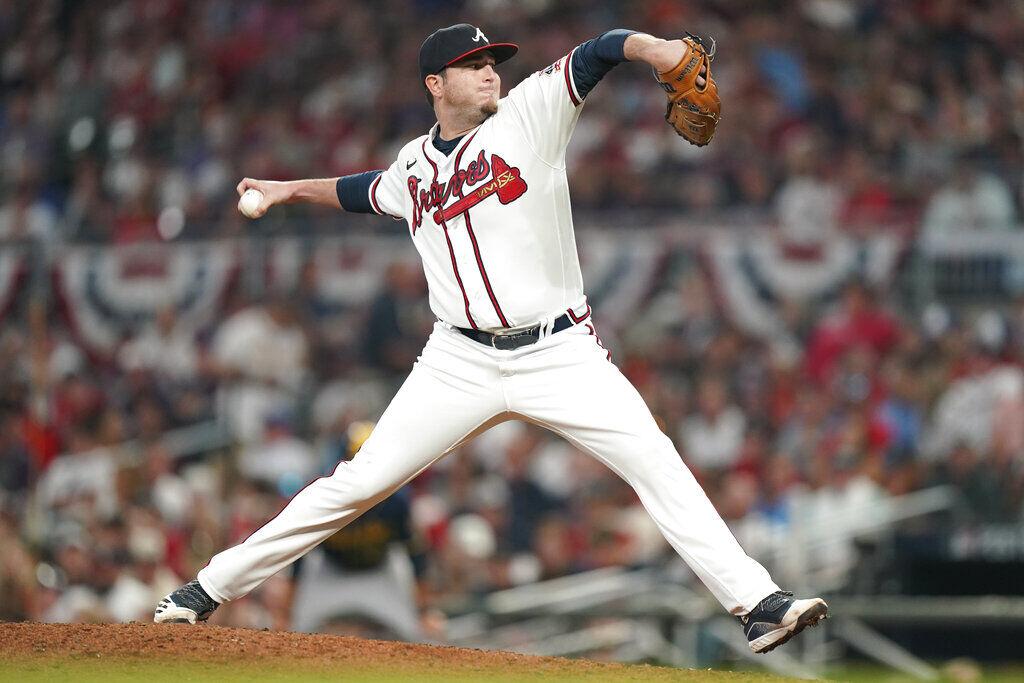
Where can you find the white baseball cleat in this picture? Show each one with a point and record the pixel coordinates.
(187, 605)
(778, 618)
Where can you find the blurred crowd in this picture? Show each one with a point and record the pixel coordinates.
(122, 121)
(102, 510)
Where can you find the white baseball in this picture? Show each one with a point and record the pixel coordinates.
(249, 202)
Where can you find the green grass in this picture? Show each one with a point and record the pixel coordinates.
(103, 670)
(874, 674)
(82, 670)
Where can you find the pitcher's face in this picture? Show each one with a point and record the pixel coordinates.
(473, 84)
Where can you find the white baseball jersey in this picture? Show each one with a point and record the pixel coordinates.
(492, 220)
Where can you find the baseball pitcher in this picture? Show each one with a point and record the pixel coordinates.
(485, 195)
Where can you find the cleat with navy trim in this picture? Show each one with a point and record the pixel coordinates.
(778, 618)
(187, 605)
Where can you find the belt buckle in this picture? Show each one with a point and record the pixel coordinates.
(509, 342)
(505, 342)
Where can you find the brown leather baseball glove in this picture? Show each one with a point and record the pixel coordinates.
(693, 111)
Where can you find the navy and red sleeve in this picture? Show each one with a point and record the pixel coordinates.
(596, 57)
(354, 192)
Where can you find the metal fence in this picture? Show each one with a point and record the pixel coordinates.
(648, 614)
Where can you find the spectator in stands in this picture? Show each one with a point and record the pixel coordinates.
(164, 348)
(901, 415)
(984, 493)
(528, 503)
(398, 320)
(868, 201)
(365, 573)
(27, 217)
(83, 481)
(803, 435)
(280, 461)
(858, 321)
(78, 600)
(809, 202)
(712, 437)
(982, 407)
(972, 200)
(260, 354)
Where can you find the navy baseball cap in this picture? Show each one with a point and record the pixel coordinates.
(448, 45)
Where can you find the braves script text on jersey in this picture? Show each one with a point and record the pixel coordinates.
(492, 223)
(492, 220)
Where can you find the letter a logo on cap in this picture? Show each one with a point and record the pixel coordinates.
(480, 36)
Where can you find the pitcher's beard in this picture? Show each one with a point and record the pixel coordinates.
(473, 115)
(486, 111)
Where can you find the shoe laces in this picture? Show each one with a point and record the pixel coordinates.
(761, 606)
(774, 601)
(196, 597)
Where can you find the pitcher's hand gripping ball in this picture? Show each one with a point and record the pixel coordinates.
(249, 203)
(693, 110)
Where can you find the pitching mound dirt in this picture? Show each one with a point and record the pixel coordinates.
(119, 645)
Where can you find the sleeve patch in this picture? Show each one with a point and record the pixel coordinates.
(553, 68)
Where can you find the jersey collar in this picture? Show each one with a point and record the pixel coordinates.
(436, 155)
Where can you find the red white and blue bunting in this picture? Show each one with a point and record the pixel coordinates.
(110, 291)
(754, 274)
(619, 269)
(346, 271)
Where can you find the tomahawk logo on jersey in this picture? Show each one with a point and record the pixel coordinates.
(494, 214)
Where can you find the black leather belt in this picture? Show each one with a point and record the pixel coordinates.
(515, 340)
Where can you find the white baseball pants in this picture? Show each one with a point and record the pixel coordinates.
(457, 389)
